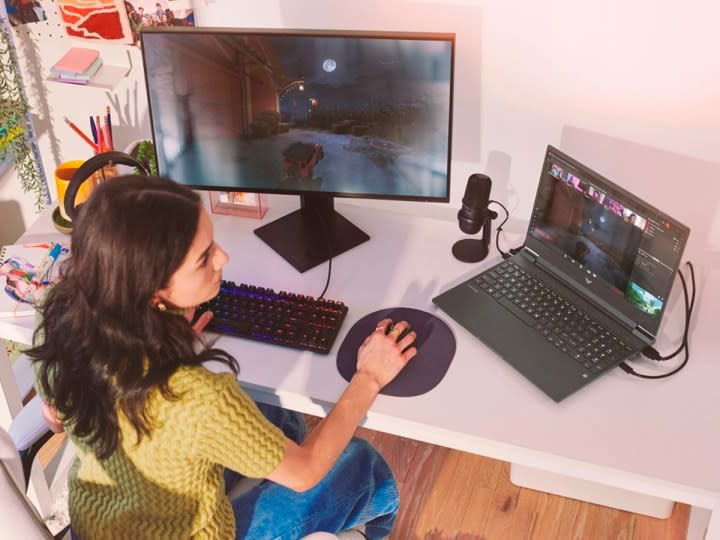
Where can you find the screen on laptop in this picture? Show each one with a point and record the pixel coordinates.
(608, 235)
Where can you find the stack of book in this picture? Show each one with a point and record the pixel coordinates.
(77, 66)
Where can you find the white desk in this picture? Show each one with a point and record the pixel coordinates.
(660, 438)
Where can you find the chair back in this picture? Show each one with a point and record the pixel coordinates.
(16, 510)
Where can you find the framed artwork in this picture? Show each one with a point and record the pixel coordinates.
(238, 203)
(105, 20)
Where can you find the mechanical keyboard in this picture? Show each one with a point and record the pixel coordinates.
(283, 318)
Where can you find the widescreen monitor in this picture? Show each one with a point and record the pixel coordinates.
(319, 114)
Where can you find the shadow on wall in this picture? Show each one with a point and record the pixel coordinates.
(13, 224)
(41, 115)
(130, 122)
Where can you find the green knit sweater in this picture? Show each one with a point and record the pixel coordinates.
(170, 485)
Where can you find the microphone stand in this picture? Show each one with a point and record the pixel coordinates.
(472, 250)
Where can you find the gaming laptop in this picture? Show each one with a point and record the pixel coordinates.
(587, 290)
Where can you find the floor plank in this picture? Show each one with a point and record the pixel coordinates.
(452, 495)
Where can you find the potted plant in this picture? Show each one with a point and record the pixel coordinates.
(16, 134)
(144, 152)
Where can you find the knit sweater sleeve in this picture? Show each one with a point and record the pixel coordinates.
(235, 434)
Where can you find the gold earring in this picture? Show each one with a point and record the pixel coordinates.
(161, 306)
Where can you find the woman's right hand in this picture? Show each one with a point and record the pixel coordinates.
(381, 356)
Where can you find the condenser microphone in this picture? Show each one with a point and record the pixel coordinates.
(473, 216)
(474, 203)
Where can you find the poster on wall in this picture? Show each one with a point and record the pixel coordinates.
(21, 12)
(104, 20)
(144, 13)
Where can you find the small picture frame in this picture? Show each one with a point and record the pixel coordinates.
(238, 203)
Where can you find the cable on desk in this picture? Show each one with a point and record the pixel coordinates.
(652, 353)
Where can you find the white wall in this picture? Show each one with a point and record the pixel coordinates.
(610, 80)
(632, 89)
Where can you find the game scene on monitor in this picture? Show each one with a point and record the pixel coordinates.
(365, 116)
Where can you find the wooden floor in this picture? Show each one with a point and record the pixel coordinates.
(451, 495)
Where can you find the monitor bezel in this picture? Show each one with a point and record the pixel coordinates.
(370, 34)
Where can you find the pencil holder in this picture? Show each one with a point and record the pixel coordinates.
(63, 174)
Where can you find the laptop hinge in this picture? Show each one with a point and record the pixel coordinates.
(533, 256)
(643, 334)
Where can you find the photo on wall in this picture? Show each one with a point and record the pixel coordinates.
(24, 12)
(149, 13)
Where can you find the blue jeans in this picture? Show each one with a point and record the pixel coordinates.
(358, 489)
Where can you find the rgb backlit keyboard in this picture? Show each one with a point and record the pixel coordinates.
(283, 318)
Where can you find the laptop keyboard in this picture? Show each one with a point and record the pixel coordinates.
(561, 323)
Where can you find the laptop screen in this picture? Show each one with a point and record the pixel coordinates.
(608, 240)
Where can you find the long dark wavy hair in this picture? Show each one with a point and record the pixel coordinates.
(101, 347)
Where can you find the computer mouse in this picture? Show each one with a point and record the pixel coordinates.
(435, 344)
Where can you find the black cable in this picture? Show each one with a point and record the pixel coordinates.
(504, 254)
(689, 305)
(654, 354)
(327, 282)
(329, 250)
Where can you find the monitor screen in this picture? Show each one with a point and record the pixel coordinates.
(352, 114)
(320, 114)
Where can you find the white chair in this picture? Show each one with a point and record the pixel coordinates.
(16, 510)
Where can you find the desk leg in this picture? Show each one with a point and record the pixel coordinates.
(10, 402)
(713, 527)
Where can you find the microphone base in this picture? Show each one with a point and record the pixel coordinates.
(470, 250)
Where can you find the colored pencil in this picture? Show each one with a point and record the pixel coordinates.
(93, 129)
(108, 137)
(79, 132)
(101, 137)
(109, 122)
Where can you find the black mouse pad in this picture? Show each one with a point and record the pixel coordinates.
(435, 343)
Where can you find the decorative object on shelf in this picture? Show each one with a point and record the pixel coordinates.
(238, 203)
(17, 140)
(77, 66)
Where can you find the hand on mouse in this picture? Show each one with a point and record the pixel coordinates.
(381, 356)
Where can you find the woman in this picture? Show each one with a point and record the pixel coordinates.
(160, 438)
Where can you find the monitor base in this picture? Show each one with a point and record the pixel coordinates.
(310, 236)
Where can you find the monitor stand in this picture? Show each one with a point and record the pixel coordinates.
(312, 235)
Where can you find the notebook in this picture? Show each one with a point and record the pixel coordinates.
(76, 61)
(587, 291)
(25, 272)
